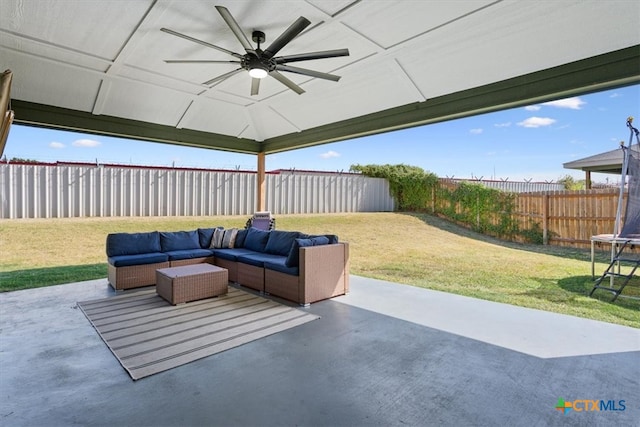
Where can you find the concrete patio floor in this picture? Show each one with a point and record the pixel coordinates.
(386, 354)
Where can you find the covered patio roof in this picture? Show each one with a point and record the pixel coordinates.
(99, 66)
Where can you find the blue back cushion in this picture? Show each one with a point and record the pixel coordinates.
(333, 239)
(132, 243)
(280, 242)
(256, 240)
(293, 259)
(179, 240)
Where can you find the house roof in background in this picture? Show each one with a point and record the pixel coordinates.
(607, 162)
(99, 66)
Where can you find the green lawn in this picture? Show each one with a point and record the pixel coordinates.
(418, 250)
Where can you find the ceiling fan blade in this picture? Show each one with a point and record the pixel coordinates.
(306, 72)
(184, 36)
(255, 86)
(233, 25)
(198, 61)
(311, 55)
(288, 35)
(222, 77)
(285, 81)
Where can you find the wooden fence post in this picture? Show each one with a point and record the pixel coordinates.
(545, 219)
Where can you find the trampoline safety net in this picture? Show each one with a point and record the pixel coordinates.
(631, 227)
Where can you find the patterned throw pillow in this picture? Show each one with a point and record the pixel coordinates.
(224, 238)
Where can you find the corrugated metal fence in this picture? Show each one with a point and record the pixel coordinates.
(515, 186)
(43, 191)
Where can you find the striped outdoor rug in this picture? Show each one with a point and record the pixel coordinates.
(148, 335)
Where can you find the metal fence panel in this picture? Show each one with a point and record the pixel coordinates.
(66, 191)
(323, 193)
(515, 186)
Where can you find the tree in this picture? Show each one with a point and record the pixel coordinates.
(570, 183)
(20, 160)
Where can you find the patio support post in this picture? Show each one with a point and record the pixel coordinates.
(261, 199)
(587, 180)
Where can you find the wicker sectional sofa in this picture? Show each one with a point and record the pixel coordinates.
(287, 264)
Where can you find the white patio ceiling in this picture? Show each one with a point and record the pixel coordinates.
(99, 66)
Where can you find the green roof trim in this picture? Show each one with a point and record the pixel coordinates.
(29, 113)
(607, 71)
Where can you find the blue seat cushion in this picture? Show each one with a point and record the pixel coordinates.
(293, 258)
(189, 254)
(256, 240)
(231, 254)
(279, 265)
(137, 259)
(179, 240)
(133, 243)
(280, 242)
(258, 259)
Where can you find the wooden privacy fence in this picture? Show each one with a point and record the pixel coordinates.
(565, 218)
(569, 218)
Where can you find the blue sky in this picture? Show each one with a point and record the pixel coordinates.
(527, 143)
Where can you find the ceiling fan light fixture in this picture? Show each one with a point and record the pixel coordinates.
(258, 72)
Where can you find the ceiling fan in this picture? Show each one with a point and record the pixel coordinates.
(262, 63)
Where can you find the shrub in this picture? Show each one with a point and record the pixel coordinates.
(485, 210)
(410, 186)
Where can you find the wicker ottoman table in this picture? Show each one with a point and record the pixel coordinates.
(191, 282)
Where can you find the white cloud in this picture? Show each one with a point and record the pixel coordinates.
(55, 144)
(614, 95)
(329, 154)
(503, 125)
(574, 103)
(476, 131)
(536, 122)
(85, 143)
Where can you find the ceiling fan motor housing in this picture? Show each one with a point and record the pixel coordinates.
(250, 61)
